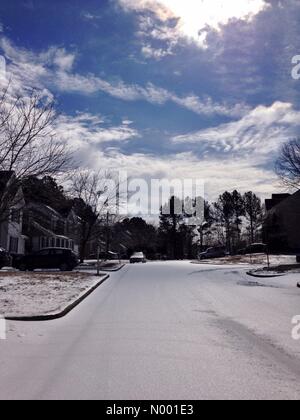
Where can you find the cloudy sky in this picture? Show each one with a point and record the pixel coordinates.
(164, 88)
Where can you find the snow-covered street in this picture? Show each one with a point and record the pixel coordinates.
(166, 330)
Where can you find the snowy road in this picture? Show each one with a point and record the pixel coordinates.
(162, 331)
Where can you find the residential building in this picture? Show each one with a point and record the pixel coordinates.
(281, 228)
(45, 227)
(11, 215)
(275, 200)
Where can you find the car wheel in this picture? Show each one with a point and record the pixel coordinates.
(23, 267)
(64, 267)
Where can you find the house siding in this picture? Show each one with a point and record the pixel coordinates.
(11, 235)
(282, 225)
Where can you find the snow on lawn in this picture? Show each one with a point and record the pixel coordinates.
(34, 294)
(255, 259)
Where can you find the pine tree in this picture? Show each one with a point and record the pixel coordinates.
(254, 212)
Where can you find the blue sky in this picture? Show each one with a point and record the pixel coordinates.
(160, 89)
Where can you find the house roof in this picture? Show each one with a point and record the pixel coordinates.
(291, 200)
(46, 232)
(44, 209)
(275, 200)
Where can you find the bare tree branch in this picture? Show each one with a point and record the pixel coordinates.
(288, 164)
(97, 196)
(28, 145)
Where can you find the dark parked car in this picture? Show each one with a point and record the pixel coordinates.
(4, 258)
(50, 258)
(212, 253)
(257, 249)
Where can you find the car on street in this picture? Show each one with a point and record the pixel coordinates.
(4, 258)
(49, 258)
(211, 253)
(258, 248)
(137, 257)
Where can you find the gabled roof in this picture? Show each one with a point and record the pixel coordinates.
(43, 208)
(291, 201)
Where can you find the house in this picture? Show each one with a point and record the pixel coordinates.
(46, 228)
(11, 214)
(281, 228)
(275, 200)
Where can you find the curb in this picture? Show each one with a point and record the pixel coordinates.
(94, 267)
(113, 269)
(64, 312)
(223, 264)
(264, 276)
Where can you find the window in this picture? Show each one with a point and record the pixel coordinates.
(16, 216)
(44, 252)
(59, 252)
(13, 245)
(53, 224)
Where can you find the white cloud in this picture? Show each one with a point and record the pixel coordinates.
(86, 130)
(89, 16)
(53, 56)
(195, 17)
(157, 53)
(52, 68)
(63, 60)
(127, 122)
(261, 131)
(164, 33)
(218, 174)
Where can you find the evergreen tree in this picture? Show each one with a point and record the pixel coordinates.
(254, 213)
(171, 216)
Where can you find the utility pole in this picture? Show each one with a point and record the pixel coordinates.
(268, 258)
(107, 233)
(98, 258)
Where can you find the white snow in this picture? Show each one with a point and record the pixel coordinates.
(167, 331)
(34, 294)
(255, 259)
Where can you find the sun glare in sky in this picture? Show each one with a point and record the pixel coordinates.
(196, 15)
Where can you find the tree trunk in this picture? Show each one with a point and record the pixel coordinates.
(252, 231)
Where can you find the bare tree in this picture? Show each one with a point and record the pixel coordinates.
(96, 201)
(28, 145)
(288, 164)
